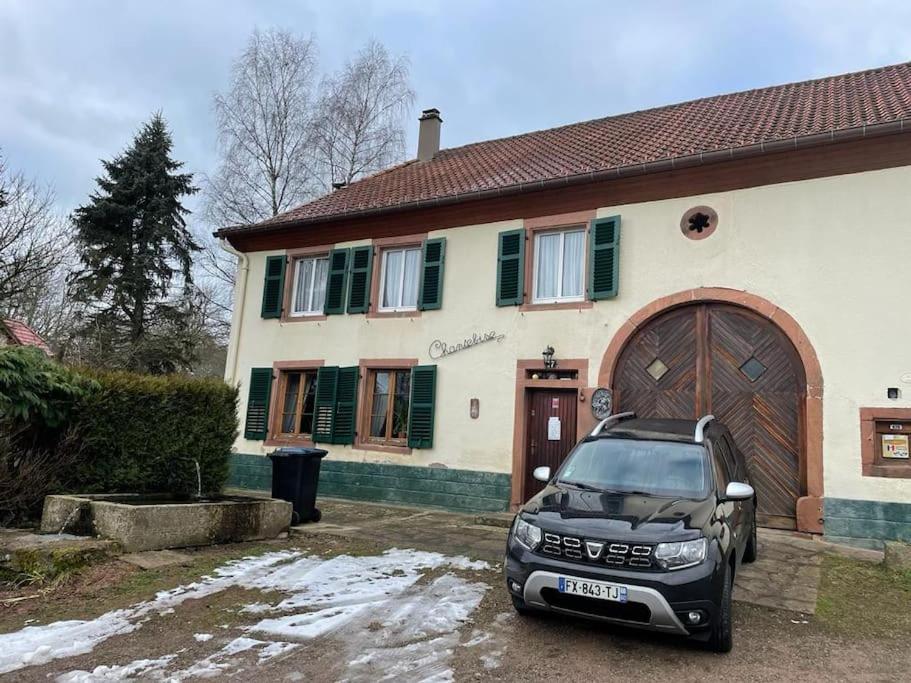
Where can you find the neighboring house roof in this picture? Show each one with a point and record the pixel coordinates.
(747, 121)
(23, 335)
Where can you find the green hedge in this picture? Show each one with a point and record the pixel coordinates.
(142, 433)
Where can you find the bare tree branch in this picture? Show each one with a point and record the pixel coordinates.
(264, 125)
(359, 128)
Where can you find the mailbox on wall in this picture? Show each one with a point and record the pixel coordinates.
(886, 442)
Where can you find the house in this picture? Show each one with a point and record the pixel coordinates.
(16, 333)
(447, 325)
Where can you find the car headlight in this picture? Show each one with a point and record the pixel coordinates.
(527, 534)
(680, 555)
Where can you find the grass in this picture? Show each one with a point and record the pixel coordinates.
(863, 599)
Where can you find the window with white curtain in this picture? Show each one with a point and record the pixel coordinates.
(309, 294)
(399, 279)
(559, 266)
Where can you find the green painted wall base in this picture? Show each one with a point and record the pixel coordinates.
(866, 523)
(460, 490)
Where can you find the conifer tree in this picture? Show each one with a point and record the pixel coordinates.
(136, 254)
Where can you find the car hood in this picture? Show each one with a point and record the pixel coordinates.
(619, 516)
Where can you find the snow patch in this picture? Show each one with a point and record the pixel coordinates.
(202, 637)
(140, 667)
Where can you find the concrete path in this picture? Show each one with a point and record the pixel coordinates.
(786, 575)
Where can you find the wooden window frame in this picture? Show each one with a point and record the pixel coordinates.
(872, 462)
(562, 232)
(365, 404)
(383, 258)
(556, 223)
(293, 257)
(380, 246)
(279, 374)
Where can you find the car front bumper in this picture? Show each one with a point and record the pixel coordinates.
(660, 615)
(657, 601)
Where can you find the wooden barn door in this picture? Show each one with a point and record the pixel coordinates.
(725, 360)
(541, 446)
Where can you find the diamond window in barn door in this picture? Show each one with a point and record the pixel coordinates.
(657, 369)
(752, 369)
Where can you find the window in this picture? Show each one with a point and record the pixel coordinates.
(309, 294)
(559, 266)
(297, 396)
(389, 397)
(657, 468)
(399, 279)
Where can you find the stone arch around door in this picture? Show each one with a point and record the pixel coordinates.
(808, 508)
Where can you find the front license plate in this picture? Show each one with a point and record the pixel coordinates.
(592, 589)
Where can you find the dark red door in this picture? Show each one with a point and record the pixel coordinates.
(737, 365)
(541, 446)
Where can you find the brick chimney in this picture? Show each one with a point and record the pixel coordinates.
(429, 134)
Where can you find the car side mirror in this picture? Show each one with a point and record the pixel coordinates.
(738, 491)
(542, 473)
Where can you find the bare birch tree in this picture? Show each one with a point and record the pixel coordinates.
(31, 246)
(359, 128)
(264, 127)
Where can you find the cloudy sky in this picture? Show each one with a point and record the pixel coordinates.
(77, 78)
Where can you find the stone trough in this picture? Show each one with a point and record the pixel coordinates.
(145, 522)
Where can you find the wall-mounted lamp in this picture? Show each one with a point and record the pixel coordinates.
(549, 362)
(892, 392)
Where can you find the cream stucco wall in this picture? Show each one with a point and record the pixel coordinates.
(831, 252)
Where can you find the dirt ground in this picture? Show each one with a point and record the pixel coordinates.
(845, 641)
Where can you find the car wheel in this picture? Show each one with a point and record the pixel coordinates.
(722, 636)
(519, 604)
(749, 554)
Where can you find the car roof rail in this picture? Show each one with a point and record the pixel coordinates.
(611, 420)
(699, 433)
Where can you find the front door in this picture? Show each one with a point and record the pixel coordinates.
(550, 432)
(728, 361)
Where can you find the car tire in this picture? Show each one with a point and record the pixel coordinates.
(749, 554)
(519, 604)
(722, 635)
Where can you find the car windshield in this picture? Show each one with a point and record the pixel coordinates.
(657, 468)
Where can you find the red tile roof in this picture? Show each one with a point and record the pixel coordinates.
(20, 333)
(712, 124)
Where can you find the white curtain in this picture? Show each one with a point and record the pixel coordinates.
(319, 285)
(302, 285)
(392, 287)
(573, 263)
(548, 254)
(380, 405)
(410, 287)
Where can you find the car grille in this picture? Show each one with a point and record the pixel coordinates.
(592, 551)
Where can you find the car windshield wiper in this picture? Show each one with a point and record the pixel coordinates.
(578, 485)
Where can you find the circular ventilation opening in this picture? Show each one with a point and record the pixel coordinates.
(699, 222)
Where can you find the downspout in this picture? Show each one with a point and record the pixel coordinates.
(237, 316)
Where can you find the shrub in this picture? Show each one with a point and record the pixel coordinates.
(35, 391)
(142, 433)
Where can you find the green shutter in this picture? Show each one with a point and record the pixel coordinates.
(604, 258)
(511, 268)
(345, 405)
(324, 403)
(431, 295)
(423, 399)
(273, 287)
(359, 279)
(256, 426)
(336, 285)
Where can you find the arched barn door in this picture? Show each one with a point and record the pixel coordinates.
(726, 360)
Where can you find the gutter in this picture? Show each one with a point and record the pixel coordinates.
(794, 143)
(237, 316)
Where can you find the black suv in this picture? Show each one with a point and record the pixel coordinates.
(644, 524)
